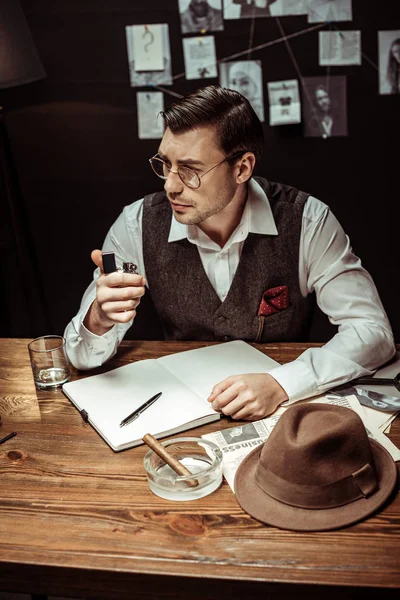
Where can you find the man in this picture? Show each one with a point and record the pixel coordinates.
(212, 249)
(201, 16)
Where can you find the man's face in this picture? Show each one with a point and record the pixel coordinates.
(199, 7)
(197, 149)
(323, 100)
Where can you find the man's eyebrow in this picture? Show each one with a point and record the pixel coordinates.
(186, 161)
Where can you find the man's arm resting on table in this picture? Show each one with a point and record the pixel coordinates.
(346, 293)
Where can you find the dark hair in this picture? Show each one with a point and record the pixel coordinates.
(320, 88)
(236, 124)
(393, 69)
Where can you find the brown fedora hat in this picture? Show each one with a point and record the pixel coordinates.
(317, 471)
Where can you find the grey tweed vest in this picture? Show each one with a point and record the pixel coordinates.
(187, 304)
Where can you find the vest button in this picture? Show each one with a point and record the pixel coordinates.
(226, 338)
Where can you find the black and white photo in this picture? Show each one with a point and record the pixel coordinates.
(370, 398)
(329, 10)
(389, 62)
(339, 48)
(324, 106)
(235, 435)
(285, 8)
(201, 15)
(242, 9)
(245, 76)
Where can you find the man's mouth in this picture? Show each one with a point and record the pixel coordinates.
(178, 205)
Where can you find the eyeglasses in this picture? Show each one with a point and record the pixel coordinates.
(186, 174)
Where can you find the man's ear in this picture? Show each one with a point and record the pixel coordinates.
(245, 167)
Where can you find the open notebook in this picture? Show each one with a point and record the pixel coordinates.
(185, 380)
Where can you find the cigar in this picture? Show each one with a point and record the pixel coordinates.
(177, 466)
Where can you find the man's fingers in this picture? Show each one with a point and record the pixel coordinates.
(219, 388)
(107, 293)
(122, 317)
(228, 396)
(111, 308)
(97, 259)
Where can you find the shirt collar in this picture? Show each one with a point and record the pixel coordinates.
(257, 213)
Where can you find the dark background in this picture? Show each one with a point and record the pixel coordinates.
(79, 161)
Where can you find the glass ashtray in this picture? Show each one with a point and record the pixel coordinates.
(202, 458)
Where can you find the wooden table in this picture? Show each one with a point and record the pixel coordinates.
(78, 520)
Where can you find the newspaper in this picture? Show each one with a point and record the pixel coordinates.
(237, 442)
(379, 408)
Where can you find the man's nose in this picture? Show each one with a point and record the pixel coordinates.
(173, 183)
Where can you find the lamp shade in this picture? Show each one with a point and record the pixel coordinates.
(19, 59)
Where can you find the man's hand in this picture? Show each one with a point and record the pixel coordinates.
(117, 297)
(247, 397)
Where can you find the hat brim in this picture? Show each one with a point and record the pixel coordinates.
(263, 507)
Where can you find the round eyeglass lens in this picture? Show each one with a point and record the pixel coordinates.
(189, 177)
(159, 167)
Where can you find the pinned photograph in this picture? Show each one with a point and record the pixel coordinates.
(245, 76)
(200, 57)
(242, 9)
(324, 106)
(201, 15)
(284, 8)
(329, 10)
(150, 123)
(284, 102)
(140, 78)
(339, 48)
(389, 62)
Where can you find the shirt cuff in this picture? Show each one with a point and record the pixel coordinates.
(296, 379)
(94, 340)
(99, 347)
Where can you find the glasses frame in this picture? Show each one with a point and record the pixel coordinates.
(199, 177)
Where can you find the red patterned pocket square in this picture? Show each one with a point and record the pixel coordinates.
(274, 300)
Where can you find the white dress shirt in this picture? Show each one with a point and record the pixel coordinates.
(327, 265)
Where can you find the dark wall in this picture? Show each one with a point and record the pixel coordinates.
(75, 141)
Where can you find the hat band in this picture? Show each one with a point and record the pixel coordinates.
(360, 484)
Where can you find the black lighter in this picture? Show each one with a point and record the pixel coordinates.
(109, 264)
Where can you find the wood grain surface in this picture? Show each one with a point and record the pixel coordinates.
(78, 520)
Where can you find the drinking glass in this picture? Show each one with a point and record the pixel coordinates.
(49, 362)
